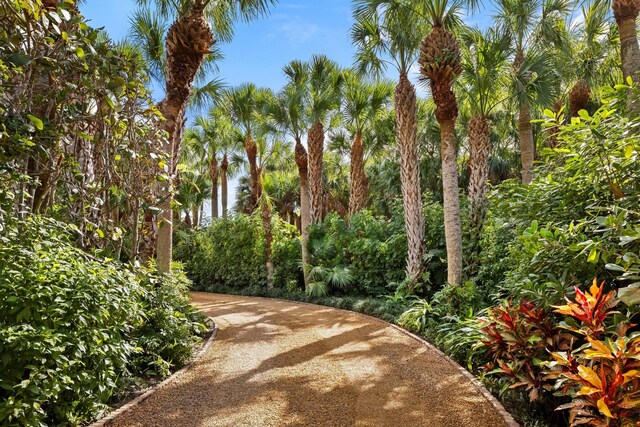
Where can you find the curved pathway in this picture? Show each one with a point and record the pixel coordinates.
(276, 363)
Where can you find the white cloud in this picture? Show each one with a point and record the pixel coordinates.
(296, 30)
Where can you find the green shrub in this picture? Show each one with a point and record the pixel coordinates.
(75, 330)
(171, 326)
(578, 219)
(230, 254)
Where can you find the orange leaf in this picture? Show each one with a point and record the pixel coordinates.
(590, 376)
(604, 409)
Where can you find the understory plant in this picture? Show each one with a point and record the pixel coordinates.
(584, 352)
(77, 330)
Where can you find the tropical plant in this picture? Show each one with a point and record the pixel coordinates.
(482, 89)
(533, 25)
(323, 97)
(394, 32)
(363, 103)
(196, 26)
(440, 63)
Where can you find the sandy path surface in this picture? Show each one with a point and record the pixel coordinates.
(279, 364)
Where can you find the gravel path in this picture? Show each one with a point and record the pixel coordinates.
(277, 363)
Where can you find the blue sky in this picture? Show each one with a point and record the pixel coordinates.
(294, 29)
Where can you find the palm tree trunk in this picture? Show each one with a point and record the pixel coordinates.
(406, 124)
(452, 222)
(479, 162)
(213, 174)
(305, 217)
(189, 40)
(579, 97)
(626, 13)
(359, 193)
(266, 223)
(195, 211)
(527, 148)
(315, 144)
(254, 176)
(223, 184)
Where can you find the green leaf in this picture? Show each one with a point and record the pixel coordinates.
(630, 295)
(36, 122)
(19, 59)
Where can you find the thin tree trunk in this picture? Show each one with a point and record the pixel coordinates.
(479, 162)
(266, 223)
(213, 174)
(315, 144)
(189, 40)
(406, 124)
(452, 223)
(195, 210)
(527, 148)
(359, 193)
(134, 229)
(223, 184)
(254, 174)
(305, 208)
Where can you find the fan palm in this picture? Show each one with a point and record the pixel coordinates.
(196, 26)
(592, 46)
(440, 63)
(363, 103)
(288, 113)
(245, 104)
(532, 23)
(389, 32)
(323, 98)
(483, 83)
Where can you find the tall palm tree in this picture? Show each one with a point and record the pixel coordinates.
(196, 26)
(392, 35)
(288, 113)
(440, 63)
(532, 24)
(363, 102)
(323, 99)
(483, 88)
(245, 104)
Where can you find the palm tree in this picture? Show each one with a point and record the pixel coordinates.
(288, 113)
(482, 89)
(626, 15)
(391, 35)
(245, 104)
(591, 49)
(323, 98)
(363, 103)
(273, 155)
(440, 63)
(188, 42)
(532, 23)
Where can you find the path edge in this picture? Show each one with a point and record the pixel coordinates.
(508, 418)
(109, 417)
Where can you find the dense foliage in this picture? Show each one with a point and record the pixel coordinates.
(76, 329)
(78, 160)
(230, 254)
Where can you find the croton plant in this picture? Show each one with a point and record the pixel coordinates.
(577, 350)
